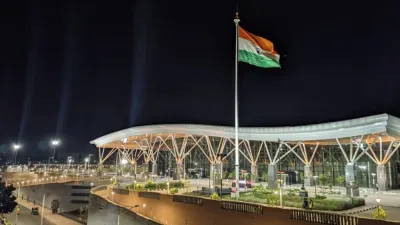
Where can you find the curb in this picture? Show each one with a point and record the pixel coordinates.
(362, 210)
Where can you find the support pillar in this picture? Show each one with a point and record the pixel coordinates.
(100, 169)
(381, 177)
(308, 176)
(135, 168)
(145, 169)
(254, 173)
(272, 171)
(178, 174)
(154, 169)
(212, 172)
(217, 174)
(349, 172)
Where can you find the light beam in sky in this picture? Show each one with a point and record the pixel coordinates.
(141, 18)
(68, 69)
(31, 69)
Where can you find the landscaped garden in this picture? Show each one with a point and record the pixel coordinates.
(158, 186)
(260, 194)
(328, 199)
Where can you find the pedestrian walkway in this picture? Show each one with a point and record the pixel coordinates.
(52, 218)
(356, 210)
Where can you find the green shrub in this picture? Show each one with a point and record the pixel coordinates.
(293, 192)
(139, 187)
(231, 175)
(178, 184)
(322, 178)
(173, 191)
(379, 213)
(131, 186)
(162, 186)
(260, 192)
(214, 196)
(320, 197)
(150, 186)
(225, 175)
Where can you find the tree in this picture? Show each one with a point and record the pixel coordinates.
(265, 176)
(341, 179)
(322, 179)
(7, 199)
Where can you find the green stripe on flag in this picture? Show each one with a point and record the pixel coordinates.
(257, 60)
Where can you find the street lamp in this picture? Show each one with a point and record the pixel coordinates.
(351, 183)
(373, 180)
(54, 143)
(48, 164)
(86, 162)
(90, 155)
(378, 200)
(125, 207)
(124, 161)
(15, 148)
(69, 161)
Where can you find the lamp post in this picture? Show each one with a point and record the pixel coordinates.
(69, 159)
(16, 147)
(86, 162)
(315, 185)
(280, 189)
(54, 143)
(351, 190)
(90, 155)
(48, 164)
(125, 207)
(378, 200)
(373, 180)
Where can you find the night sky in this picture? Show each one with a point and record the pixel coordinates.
(79, 71)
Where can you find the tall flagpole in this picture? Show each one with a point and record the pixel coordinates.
(236, 20)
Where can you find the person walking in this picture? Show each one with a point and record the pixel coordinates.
(305, 204)
(310, 204)
(18, 210)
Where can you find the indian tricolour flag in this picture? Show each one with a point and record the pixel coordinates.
(256, 50)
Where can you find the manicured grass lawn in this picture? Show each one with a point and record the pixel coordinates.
(297, 201)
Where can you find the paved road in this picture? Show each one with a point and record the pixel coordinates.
(25, 218)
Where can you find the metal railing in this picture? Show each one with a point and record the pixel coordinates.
(152, 195)
(243, 207)
(323, 218)
(188, 199)
(99, 188)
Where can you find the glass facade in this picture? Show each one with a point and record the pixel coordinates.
(328, 160)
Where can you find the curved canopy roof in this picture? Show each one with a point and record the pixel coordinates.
(382, 123)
